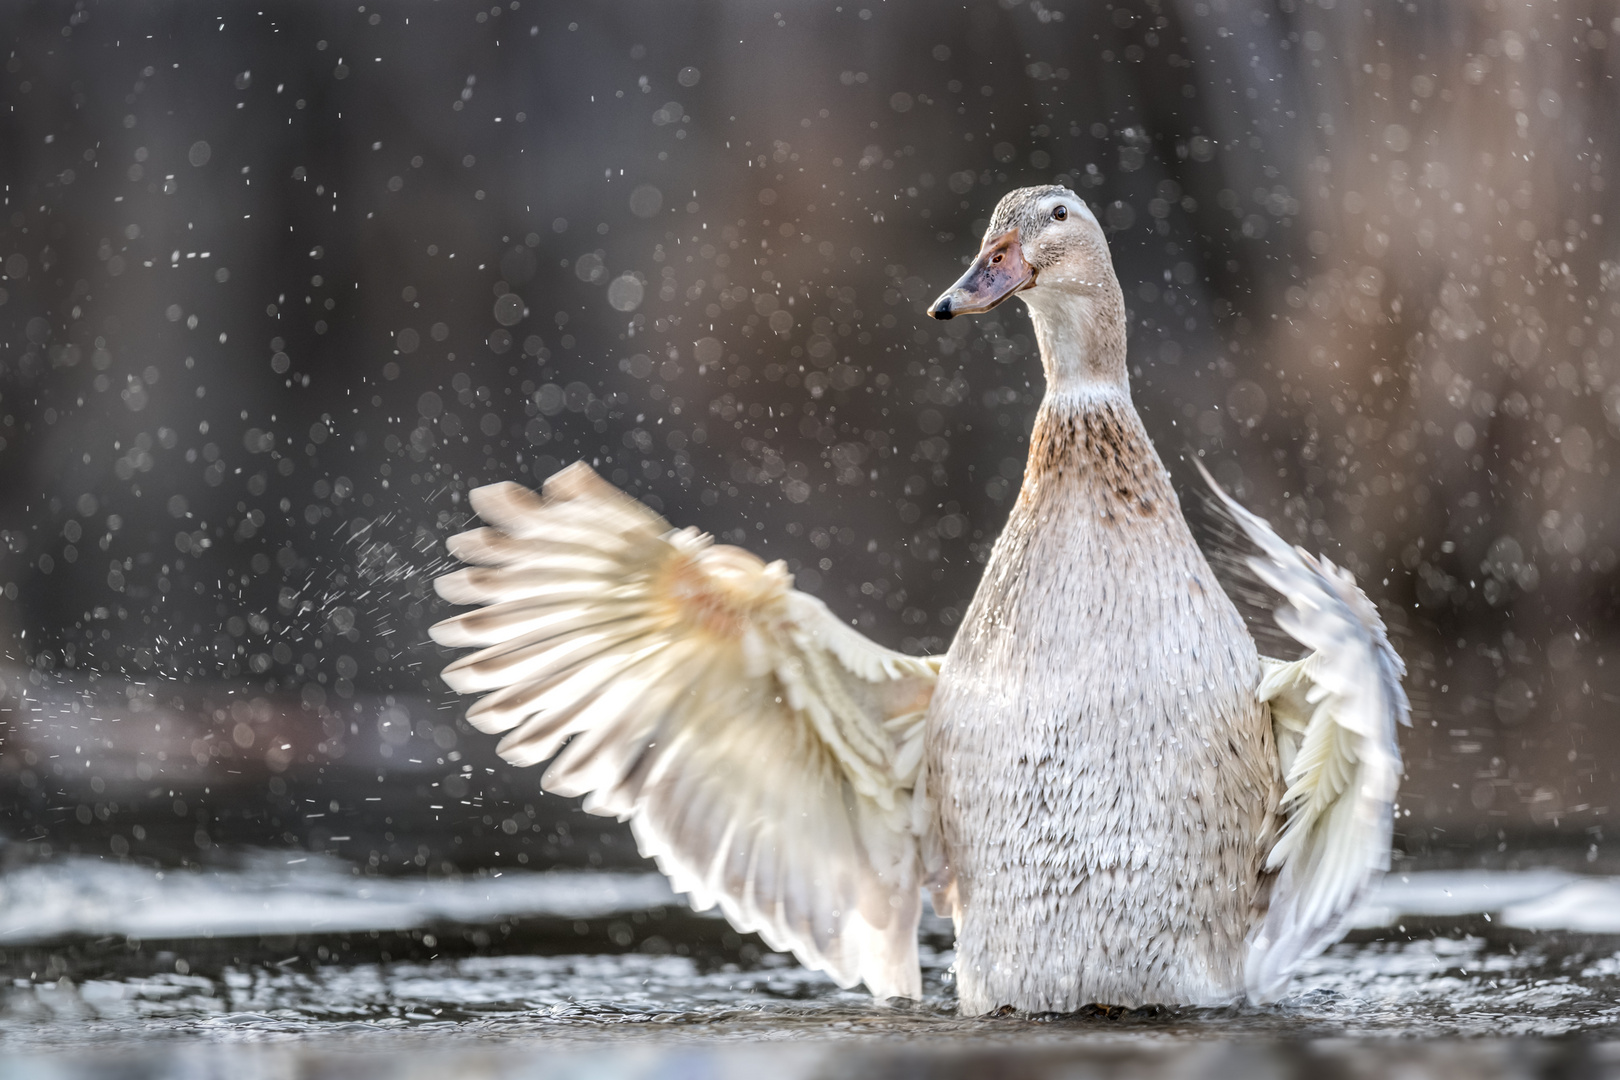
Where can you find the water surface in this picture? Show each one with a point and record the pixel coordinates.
(589, 970)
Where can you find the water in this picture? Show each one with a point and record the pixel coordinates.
(1442, 987)
(586, 972)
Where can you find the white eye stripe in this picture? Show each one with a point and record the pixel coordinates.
(1073, 206)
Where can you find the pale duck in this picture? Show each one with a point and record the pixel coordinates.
(1113, 795)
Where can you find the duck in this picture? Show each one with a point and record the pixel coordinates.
(1111, 794)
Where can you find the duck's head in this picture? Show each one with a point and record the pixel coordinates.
(1042, 241)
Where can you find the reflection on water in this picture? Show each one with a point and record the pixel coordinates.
(268, 893)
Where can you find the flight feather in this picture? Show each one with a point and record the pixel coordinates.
(764, 753)
(1334, 713)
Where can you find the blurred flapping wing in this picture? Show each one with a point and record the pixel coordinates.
(763, 752)
(1334, 714)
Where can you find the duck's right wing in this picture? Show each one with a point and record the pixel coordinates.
(1334, 713)
(763, 752)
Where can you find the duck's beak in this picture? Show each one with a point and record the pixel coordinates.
(998, 272)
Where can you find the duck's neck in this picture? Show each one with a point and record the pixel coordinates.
(1081, 335)
(1088, 439)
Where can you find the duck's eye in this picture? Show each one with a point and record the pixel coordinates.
(1060, 213)
(997, 258)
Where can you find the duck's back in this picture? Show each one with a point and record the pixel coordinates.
(1103, 774)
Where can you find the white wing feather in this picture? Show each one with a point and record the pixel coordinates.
(1334, 714)
(764, 753)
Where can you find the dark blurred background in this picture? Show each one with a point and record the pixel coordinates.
(280, 285)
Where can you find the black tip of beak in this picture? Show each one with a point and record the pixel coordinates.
(941, 308)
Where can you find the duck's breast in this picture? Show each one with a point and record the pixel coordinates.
(1104, 774)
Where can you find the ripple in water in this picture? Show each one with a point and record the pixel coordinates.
(1433, 988)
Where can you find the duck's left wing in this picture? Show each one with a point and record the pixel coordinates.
(763, 752)
(1334, 714)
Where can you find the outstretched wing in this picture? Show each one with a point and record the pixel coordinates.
(1334, 714)
(763, 752)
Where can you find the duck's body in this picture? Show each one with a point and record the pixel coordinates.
(1104, 775)
(1092, 781)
